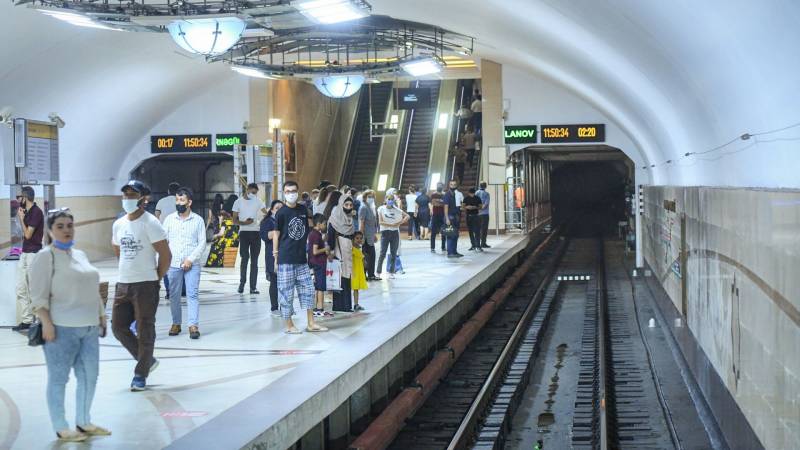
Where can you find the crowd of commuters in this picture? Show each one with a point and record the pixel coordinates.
(316, 243)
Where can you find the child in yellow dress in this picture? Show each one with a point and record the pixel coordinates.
(359, 278)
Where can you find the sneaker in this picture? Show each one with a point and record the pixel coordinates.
(459, 255)
(276, 313)
(175, 330)
(402, 272)
(241, 288)
(21, 327)
(358, 308)
(154, 365)
(479, 250)
(318, 313)
(391, 276)
(194, 333)
(486, 246)
(471, 249)
(138, 384)
(433, 251)
(328, 314)
(254, 292)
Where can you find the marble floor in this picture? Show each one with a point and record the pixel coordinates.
(242, 350)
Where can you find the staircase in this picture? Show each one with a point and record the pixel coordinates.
(415, 149)
(362, 156)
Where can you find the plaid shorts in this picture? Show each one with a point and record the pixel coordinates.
(291, 276)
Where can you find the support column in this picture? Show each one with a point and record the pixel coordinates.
(492, 134)
(258, 131)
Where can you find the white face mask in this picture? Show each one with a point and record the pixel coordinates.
(290, 197)
(130, 205)
(370, 201)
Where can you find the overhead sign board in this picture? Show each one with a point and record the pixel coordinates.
(36, 152)
(181, 143)
(520, 134)
(225, 142)
(413, 98)
(553, 134)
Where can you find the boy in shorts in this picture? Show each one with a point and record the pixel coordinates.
(318, 252)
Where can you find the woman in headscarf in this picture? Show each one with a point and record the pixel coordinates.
(340, 240)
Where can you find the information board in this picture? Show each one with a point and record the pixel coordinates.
(225, 142)
(413, 98)
(552, 134)
(520, 134)
(180, 143)
(40, 153)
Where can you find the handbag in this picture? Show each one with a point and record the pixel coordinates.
(449, 231)
(333, 275)
(35, 338)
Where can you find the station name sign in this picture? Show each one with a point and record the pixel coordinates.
(520, 134)
(552, 134)
(195, 143)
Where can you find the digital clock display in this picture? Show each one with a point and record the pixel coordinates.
(573, 133)
(183, 143)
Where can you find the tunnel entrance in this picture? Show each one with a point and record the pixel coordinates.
(593, 183)
(206, 174)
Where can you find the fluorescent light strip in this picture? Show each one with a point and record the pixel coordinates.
(422, 67)
(330, 11)
(76, 19)
(251, 72)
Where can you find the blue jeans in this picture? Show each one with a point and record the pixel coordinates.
(452, 242)
(75, 348)
(177, 277)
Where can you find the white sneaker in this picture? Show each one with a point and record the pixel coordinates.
(391, 276)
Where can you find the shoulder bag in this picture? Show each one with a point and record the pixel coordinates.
(35, 338)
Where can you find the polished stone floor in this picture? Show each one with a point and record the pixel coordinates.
(242, 350)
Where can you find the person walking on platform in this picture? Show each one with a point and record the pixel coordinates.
(437, 216)
(452, 215)
(268, 225)
(186, 236)
(30, 219)
(340, 242)
(423, 215)
(166, 205)
(73, 317)
(483, 213)
(390, 217)
(245, 214)
(411, 210)
(472, 204)
(368, 224)
(137, 239)
(289, 250)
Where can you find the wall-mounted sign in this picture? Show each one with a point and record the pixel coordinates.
(36, 146)
(573, 133)
(412, 98)
(182, 143)
(225, 142)
(520, 134)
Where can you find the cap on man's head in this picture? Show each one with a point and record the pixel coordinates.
(136, 186)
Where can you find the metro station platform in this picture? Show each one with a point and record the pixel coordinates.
(244, 382)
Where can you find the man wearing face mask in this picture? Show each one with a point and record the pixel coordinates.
(137, 239)
(452, 215)
(186, 234)
(437, 216)
(246, 214)
(368, 224)
(31, 220)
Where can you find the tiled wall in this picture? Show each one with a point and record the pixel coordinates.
(738, 287)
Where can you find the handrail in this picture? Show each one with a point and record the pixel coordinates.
(409, 123)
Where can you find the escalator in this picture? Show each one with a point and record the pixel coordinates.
(362, 156)
(470, 179)
(414, 155)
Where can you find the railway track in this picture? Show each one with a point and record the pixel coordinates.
(615, 403)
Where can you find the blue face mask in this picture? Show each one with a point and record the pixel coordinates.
(390, 202)
(63, 245)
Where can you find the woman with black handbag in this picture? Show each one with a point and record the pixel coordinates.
(66, 298)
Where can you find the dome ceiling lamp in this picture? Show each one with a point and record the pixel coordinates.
(339, 86)
(207, 36)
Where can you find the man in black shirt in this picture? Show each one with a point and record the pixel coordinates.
(473, 204)
(289, 250)
(31, 220)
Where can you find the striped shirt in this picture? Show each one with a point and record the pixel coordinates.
(186, 237)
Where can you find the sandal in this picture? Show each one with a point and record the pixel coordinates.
(71, 436)
(293, 331)
(93, 430)
(316, 329)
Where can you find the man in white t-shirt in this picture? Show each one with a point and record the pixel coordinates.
(137, 239)
(390, 217)
(166, 205)
(247, 213)
(411, 209)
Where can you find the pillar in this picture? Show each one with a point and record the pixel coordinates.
(492, 91)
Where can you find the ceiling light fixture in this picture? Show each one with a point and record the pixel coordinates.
(79, 20)
(251, 72)
(331, 11)
(207, 36)
(339, 86)
(422, 67)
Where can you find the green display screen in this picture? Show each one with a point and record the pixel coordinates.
(520, 134)
(225, 142)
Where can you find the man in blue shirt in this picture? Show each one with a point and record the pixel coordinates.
(452, 216)
(483, 213)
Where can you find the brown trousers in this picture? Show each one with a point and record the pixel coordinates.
(136, 301)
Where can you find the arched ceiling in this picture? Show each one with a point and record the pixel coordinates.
(677, 76)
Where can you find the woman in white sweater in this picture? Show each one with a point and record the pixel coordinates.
(65, 294)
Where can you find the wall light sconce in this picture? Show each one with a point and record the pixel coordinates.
(274, 124)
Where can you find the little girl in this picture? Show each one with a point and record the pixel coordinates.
(359, 280)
